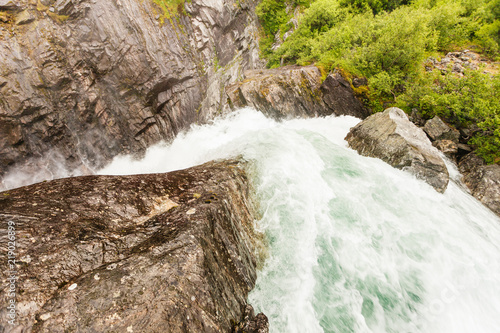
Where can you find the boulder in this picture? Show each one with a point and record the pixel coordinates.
(390, 136)
(171, 252)
(295, 91)
(439, 130)
(447, 147)
(482, 180)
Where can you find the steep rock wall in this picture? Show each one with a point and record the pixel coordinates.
(84, 80)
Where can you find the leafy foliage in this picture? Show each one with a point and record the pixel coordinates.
(170, 8)
(387, 41)
(462, 101)
(273, 17)
(272, 14)
(377, 6)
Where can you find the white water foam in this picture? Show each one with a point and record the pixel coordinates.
(355, 245)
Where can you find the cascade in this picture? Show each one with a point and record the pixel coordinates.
(354, 244)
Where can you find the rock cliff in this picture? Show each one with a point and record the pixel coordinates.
(295, 91)
(84, 80)
(390, 136)
(169, 252)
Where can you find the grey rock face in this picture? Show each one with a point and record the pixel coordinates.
(390, 136)
(294, 91)
(438, 130)
(10, 5)
(339, 96)
(169, 252)
(448, 147)
(482, 180)
(90, 79)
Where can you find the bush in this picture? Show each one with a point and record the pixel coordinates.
(387, 41)
(461, 101)
(376, 6)
(272, 14)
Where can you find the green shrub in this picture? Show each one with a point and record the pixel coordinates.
(169, 8)
(461, 101)
(376, 6)
(272, 14)
(387, 42)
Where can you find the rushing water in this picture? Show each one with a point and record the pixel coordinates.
(354, 244)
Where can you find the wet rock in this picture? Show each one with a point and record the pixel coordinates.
(390, 136)
(439, 130)
(482, 180)
(294, 91)
(171, 252)
(92, 79)
(448, 147)
(285, 92)
(252, 323)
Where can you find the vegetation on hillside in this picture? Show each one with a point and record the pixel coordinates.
(388, 41)
(169, 8)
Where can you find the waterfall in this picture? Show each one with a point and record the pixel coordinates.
(354, 245)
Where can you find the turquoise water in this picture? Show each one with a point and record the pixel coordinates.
(354, 245)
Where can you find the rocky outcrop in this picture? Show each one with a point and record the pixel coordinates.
(86, 80)
(458, 62)
(437, 130)
(294, 91)
(252, 323)
(483, 180)
(390, 136)
(443, 137)
(339, 96)
(169, 252)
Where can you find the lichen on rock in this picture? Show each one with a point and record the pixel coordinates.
(295, 91)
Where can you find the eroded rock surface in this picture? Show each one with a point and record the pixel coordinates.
(86, 80)
(437, 130)
(295, 91)
(390, 136)
(483, 180)
(169, 252)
